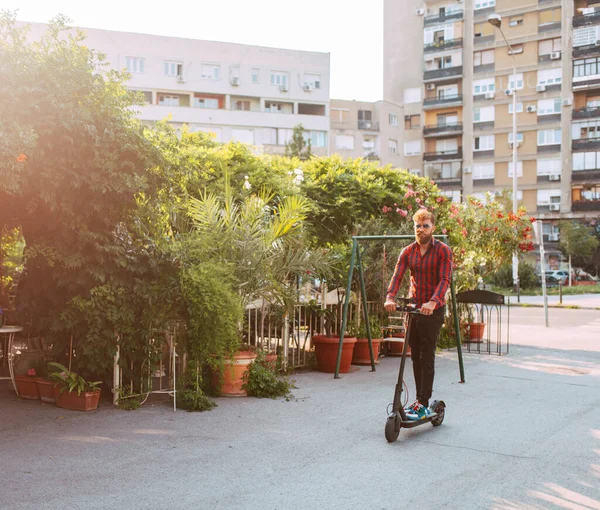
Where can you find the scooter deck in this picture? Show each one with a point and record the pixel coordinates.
(408, 424)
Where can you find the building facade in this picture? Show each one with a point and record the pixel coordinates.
(452, 72)
(368, 130)
(250, 94)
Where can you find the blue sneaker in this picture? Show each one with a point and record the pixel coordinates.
(417, 411)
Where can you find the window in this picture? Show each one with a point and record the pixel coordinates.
(483, 114)
(273, 107)
(206, 102)
(173, 68)
(516, 49)
(412, 148)
(482, 58)
(585, 36)
(392, 147)
(243, 135)
(447, 119)
(364, 115)
(484, 143)
(586, 130)
(549, 137)
(585, 67)
(135, 65)
(519, 169)
(393, 119)
(255, 75)
(438, 171)
(548, 196)
(317, 138)
(166, 100)
(519, 138)
(412, 95)
(284, 136)
(515, 21)
(586, 161)
(549, 17)
(241, 106)
(313, 80)
(519, 108)
(412, 122)
(340, 115)
(483, 30)
(550, 76)
(438, 34)
(210, 71)
(483, 171)
(279, 78)
(548, 46)
(267, 136)
(549, 106)
(548, 167)
(344, 142)
(452, 195)
(511, 81)
(484, 4)
(414, 171)
(483, 86)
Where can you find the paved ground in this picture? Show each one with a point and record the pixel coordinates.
(522, 433)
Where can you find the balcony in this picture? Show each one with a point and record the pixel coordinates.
(587, 112)
(549, 27)
(368, 125)
(443, 45)
(588, 49)
(586, 144)
(448, 155)
(443, 18)
(592, 175)
(432, 102)
(448, 72)
(585, 205)
(442, 178)
(582, 20)
(443, 129)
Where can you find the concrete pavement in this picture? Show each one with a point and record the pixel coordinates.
(522, 433)
(585, 301)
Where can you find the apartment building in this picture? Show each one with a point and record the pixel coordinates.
(453, 73)
(368, 130)
(251, 94)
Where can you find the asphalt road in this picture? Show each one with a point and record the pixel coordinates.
(523, 432)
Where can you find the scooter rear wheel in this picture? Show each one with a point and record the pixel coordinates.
(439, 408)
(392, 427)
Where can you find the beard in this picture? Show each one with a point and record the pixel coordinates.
(424, 238)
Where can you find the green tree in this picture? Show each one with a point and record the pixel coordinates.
(578, 242)
(299, 146)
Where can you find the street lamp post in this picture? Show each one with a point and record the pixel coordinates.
(496, 21)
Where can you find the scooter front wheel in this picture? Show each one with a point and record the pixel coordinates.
(392, 427)
(438, 408)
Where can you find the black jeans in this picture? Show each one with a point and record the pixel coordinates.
(424, 333)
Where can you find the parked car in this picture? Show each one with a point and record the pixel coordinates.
(559, 275)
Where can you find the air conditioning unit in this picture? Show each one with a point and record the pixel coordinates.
(420, 12)
(553, 237)
(554, 177)
(235, 81)
(307, 87)
(180, 79)
(555, 55)
(511, 144)
(555, 207)
(489, 95)
(531, 108)
(597, 43)
(567, 102)
(283, 88)
(508, 92)
(541, 88)
(467, 170)
(431, 86)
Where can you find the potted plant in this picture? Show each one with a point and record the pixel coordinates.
(476, 329)
(44, 384)
(72, 391)
(26, 385)
(361, 355)
(327, 345)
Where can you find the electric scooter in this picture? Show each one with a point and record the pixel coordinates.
(397, 419)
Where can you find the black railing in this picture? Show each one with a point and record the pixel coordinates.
(435, 101)
(585, 205)
(592, 175)
(442, 17)
(588, 49)
(443, 45)
(441, 178)
(443, 128)
(586, 19)
(587, 112)
(368, 125)
(443, 73)
(585, 144)
(443, 155)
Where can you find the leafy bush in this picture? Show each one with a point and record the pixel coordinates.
(190, 396)
(527, 277)
(261, 380)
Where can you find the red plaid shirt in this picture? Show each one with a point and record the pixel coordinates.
(429, 274)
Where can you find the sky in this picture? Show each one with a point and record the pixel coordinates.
(350, 30)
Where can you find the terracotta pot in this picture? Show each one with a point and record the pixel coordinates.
(271, 360)
(46, 390)
(476, 330)
(27, 387)
(326, 349)
(361, 354)
(86, 401)
(395, 347)
(233, 374)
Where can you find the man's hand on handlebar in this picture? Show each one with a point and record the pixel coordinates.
(390, 305)
(428, 308)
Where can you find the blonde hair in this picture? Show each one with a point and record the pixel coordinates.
(423, 214)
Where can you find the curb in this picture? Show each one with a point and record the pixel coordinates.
(567, 307)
